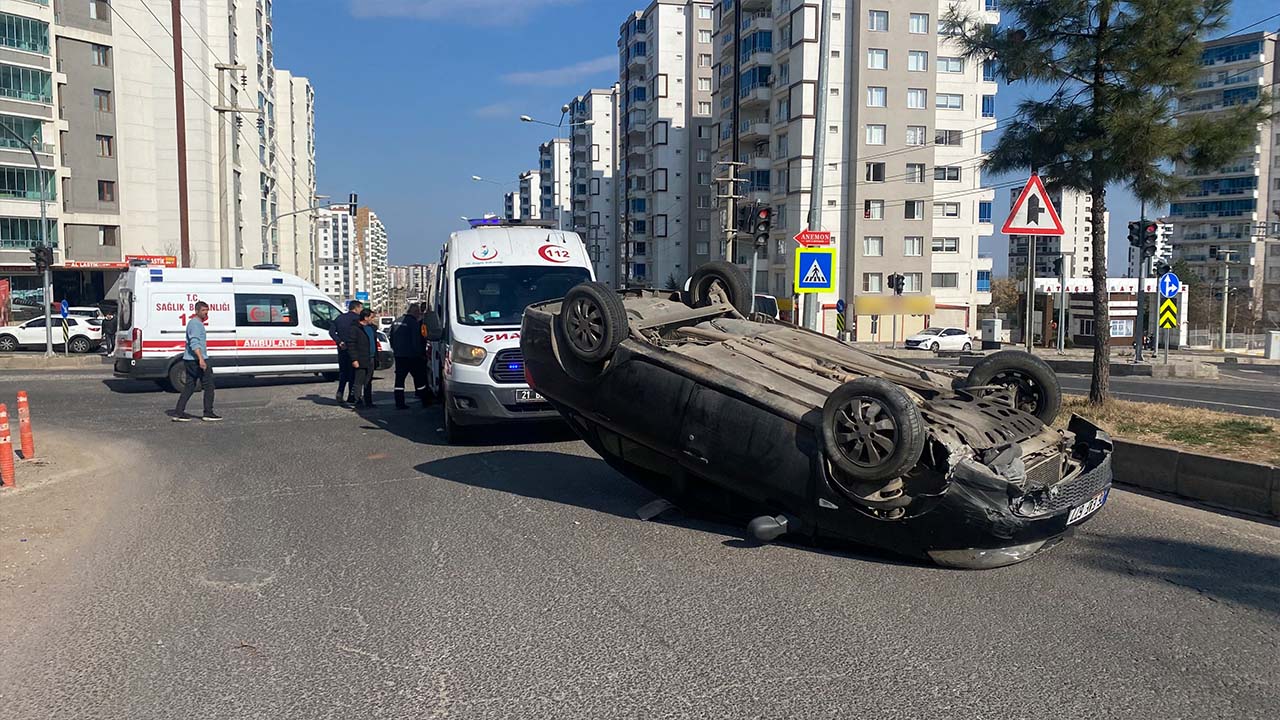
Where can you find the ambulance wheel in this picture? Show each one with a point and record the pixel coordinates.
(454, 434)
(177, 377)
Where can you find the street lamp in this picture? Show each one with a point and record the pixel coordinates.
(44, 241)
(564, 111)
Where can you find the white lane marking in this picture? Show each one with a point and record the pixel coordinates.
(1185, 400)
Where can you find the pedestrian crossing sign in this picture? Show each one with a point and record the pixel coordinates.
(815, 269)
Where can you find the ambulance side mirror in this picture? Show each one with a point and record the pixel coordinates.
(434, 331)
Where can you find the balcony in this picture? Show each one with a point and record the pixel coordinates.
(754, 130)
(756, 96)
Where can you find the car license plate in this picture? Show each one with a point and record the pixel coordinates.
(1083, 511)
(529, 396)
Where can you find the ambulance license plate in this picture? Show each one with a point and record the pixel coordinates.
(529, 396)
(1083, 511)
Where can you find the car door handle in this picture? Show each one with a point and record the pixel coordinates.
(313, 334)
(297, 333)
(696, 456)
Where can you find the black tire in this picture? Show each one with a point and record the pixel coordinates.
(726, 278)
(1036, 388)
(79, 345)
(935, 347)
(8, 343)
(177, 377)
(454, 434)
(871, 430)
(594, 321)
(967, 347)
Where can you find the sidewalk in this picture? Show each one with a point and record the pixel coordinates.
(37, 361)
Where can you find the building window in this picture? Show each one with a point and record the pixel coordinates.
(916, 134)
(108, 235)
(947, 173)
(946, 210)
(103, 99)
(950, 101)
(703, 225)
(877, 59)
(873, 246)
(913, 246)
(106, 191)
(704, 60)
(912, 282)
(877, 96)
(24, 33)
(22, 184)
(784, 73)
(878, 21)
(102, 56)
(704, 108)
(872, 282)
(948, 137)
(875, 134)
(945, 280)
(913, 210)
(984, 211)
(98, 10)
(918, 61)
(704, 202)
(704, 84)
(989, 71)
(915, 172)
(988, 106)
(984, 281)
(917, 98)
(919, 23)
(873, 209)
(106, 146)
(945, 245)
(704, 12)
(704, 36)
(875, 172)
(26, 84)
(951, 65)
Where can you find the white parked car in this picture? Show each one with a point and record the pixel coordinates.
(83, 334)
(941, 338)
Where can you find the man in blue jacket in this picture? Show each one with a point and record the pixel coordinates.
(343, 333)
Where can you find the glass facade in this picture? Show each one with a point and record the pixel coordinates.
(26, 84)
(28, 129)
(22, 233)
(24, 33)
(21, 184)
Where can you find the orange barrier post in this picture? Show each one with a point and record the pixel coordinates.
(24, 427)
(6, 449)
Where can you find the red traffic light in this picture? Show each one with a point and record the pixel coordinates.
(1150, 228)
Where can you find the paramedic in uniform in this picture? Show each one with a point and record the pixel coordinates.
(409, 342)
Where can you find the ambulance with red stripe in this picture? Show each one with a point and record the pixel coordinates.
(487, 276)
(261, 322)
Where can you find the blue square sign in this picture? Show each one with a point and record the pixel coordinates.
(815, 270)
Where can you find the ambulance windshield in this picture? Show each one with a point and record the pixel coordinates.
(498, 295)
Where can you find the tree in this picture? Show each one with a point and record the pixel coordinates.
(1005, 296)
(1119, 68)
(671, 282)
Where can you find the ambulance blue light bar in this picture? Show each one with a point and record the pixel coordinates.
(484, 222)
(506, 222)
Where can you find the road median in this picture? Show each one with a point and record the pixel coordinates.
(1238, 485)
(34, 361)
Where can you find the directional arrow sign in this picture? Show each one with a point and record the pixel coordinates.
(1033, 214)
(1170, 285)
(813, 238)
(1168, 314)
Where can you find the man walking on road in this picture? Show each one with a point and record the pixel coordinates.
(343, 333)
(409, 343)
(196, 361)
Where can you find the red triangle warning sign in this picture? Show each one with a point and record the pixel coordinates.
(1033, 214)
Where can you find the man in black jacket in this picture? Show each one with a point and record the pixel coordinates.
(343, 333)
(409, 343)
(361, 352)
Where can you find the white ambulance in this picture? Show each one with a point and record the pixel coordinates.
(487, 276)
(261, 322)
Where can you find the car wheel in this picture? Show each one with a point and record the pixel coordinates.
(871, 430)
(454, 434)
(80, 345)
(1033, 384)
(177, 376)
(935, 346)
(8, 343)
(967, 347)
(721, 281)
(594, 321)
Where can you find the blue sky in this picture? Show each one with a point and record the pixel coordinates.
(413, 97)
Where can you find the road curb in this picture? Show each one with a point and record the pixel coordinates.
(1238, 485)
(40, 362)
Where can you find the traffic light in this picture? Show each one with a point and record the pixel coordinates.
(1150, 231)
(42, 256)
(1057, 266)
(1135, 233)
(897, 283)
(761, 223)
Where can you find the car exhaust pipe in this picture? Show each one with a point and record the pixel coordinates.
(768, 529)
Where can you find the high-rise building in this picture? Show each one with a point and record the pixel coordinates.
(555, 177)
(666, 58)
(297, 174)
(511, 205)
(1229, 224)
(902, 185)
(594, 163)
(1075, 209)
(530, 195)
(373, 257)
(337, 247)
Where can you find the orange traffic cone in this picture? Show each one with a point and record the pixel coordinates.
(6, 449)
(24, 427)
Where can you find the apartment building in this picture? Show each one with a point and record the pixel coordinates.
(1075, 209)
(901, 175)
(337, 248)
(511, 205)
(556, 180)
(530, 195)
(296, 170)
(1162, 255)
(666, 192)
(92, 82)
(1232, 217)
(372, 259)
(594, 153)
(413, 280)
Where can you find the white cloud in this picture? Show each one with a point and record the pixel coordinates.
(496, 110)
(569, 75)
(477, 12)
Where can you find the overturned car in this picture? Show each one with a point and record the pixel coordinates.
(798, 434)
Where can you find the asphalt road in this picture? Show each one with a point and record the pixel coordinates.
(298, 561)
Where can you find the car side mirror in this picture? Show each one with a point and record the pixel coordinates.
(434, 331)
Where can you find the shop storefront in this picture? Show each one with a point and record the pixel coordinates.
(81, 284)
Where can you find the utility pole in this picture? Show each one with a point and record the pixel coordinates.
(1062, 299)
(731, 213)
(819, 144)
(1031, 292)
(1142, 276)
(179, 100)
(1226, 293)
